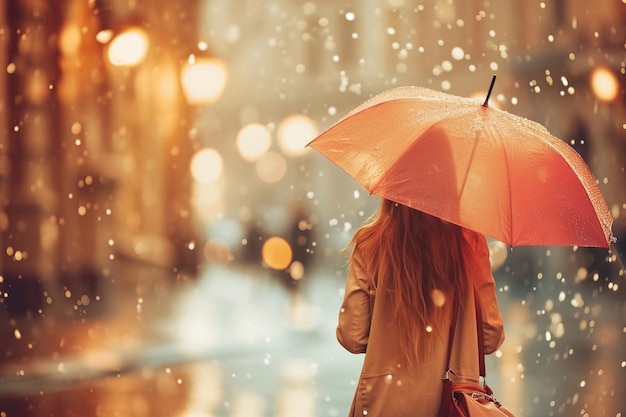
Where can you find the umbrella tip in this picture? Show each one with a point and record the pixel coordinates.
(493, 81)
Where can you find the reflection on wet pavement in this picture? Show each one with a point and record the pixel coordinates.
(227, 345)
(236, 344)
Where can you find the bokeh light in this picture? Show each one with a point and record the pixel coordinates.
(253, 141)
(498, 254)
(294, 133)
(104, 36)
(296, 270)
(203, 79)
(70, 39)
(129, 48)
(271, 167)
(277, 253)
(457, 53)
(217, 250)
(604, 84)
(438, 297)
(207, 165)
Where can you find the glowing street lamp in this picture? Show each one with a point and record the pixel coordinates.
(129, 48)
(604, 84)
(203, 79)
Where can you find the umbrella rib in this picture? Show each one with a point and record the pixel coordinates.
(508, 172)
(508, 179)
(373, 187)
(424, 132)
(465, 175)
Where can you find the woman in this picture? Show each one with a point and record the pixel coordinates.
(405, 269)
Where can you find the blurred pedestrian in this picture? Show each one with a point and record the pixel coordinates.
(405, 269)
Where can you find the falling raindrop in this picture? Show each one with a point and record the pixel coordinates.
(458, 53)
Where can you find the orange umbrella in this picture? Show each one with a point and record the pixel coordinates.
(470, 164)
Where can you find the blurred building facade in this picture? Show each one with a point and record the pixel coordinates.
(95, 183)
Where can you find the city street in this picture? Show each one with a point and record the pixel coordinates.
(178, 179)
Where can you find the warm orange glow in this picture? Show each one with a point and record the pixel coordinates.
(216, 250)
(271, 167)
(277, 253)
(69, 39)
(104, 36)
(207, 165)
(204, 79)
(253, 141)
(296, 270)
(498, 253)
(129, 48)
(438, 297)
(294, 133)
(604, 84)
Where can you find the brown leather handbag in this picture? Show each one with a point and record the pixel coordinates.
(469, 399)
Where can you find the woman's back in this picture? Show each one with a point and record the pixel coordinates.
(392, 384)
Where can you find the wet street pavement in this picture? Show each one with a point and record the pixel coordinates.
(230, 344)
(237, 344)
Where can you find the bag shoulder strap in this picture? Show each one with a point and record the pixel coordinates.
(454, 318)
(479, 333)
(481, 336)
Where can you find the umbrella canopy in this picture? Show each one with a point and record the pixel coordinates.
(479, 167)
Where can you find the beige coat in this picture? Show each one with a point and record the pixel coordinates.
(387, 389)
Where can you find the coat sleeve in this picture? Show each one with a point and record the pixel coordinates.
(355, 315)
(493, 324)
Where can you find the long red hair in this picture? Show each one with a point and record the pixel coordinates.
(417, 263)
